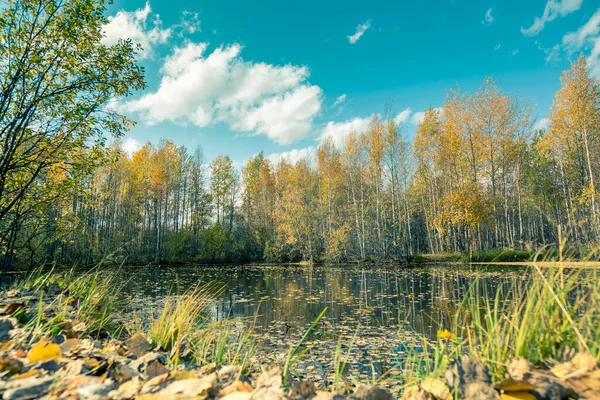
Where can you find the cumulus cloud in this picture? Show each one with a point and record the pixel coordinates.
(134, 25)
(339, 100)
(202, 89)
(339, 131)
(418, 117)
(553, 9)
(403, 116)
(130, 146)
(542, 124)
(292, 156)
(488, 19)
(360, 30)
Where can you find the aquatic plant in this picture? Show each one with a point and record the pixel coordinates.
(296, 352)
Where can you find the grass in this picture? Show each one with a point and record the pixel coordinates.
(544, 319)
(340, 360)
(89, 300)
(94, 298)
(296, 352)
(179, 317)
(224, 344)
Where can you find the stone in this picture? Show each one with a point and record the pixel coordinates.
(30, 388)
(367, 392)
(155, 368)
(6, 325)
(414, 393)
(303, 389)
(138, 345)
(328, 396)
(71, 346)
(545, 383)
(268, 385)
(126, 390)
(464, 371)
(228, 370)
(437, 388)
(480, 391)
(584, 362)
(122, 373)
(191, 387)
(141, 363)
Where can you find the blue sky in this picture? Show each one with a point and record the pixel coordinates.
(240, 77)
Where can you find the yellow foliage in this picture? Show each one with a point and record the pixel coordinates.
(44, 351)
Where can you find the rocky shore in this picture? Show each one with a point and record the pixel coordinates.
(66, 363)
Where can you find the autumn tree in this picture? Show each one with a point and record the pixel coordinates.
(56, 83)
(574, 142)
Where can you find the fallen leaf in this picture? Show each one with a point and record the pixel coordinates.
(44, 351)
(517, 396)
(512, 385)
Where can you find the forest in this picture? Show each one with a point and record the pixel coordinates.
(479, 174)
(476, 176)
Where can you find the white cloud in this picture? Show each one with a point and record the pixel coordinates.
(130, 146)
(202, 89)
(543, 123)
(589, 30)
(418, 117)
(292, 156)
(553, 9)
(552, 53)
(339, 100)
(497, 47)
(514, 52)
(586, 37)
(339, 131)
(360, 30)
(488, 19)
(134, 25)
(403, 116)
(190, 23)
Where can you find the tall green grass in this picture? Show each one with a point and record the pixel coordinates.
(89, 301)
(544, 318)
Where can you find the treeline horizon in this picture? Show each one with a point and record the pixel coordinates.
(476, 177)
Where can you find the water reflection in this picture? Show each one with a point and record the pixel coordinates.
(423, 300)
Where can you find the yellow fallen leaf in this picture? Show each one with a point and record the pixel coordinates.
(28, 374)
(517, 396)
(44, 351)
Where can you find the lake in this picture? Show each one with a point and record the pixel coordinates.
(422, 300)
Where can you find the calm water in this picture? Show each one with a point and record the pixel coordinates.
(423, 300)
